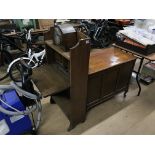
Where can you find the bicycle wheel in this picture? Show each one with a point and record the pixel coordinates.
(16, 69)
(5, 60)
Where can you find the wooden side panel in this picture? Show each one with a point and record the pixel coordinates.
(79, 78)
(124, 75)
(48, 34)
(50, 55)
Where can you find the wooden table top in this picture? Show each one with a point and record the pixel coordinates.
(101, 59)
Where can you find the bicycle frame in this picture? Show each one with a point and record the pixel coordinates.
(32, 58)
(35, 58)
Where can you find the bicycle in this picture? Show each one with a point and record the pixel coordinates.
(101, 32)
(33, 57)
(7, 43)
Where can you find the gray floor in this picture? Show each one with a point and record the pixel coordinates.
(132, 115)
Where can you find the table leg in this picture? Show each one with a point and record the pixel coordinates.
(52, 101)
(137, 75)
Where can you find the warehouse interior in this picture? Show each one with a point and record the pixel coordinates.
(77, 76)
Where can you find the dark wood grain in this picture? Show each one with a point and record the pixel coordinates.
(58, 49)
(105, 84)
(110, 70)
(79, 67)
(93, 77)
(101, 59)
(50, 80)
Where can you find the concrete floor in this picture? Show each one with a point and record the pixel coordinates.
(132, 115)
(136, 118)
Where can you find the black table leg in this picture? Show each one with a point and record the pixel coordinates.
(137, 75)
(52, 101)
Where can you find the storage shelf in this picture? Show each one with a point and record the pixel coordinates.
(49, 80)
(65, 54)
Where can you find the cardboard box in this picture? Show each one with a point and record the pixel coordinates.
(148, 70)
(45, 23)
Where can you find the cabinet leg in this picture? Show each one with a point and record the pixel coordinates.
(83, 120)
(71, 126)
(52, 101)
(125, 93)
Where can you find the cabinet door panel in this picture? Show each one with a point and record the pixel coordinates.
(109, 80)
(94, 87)
(124, 75)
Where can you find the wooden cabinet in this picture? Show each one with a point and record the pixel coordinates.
(66, 76)
(94, 87)
(109, 81)
(83, 77)
(124, 75)
(110, 73)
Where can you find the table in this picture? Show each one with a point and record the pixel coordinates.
(150, 57)
(14, 35)
(36, 31)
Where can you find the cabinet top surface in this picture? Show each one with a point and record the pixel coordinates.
(101, 59)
